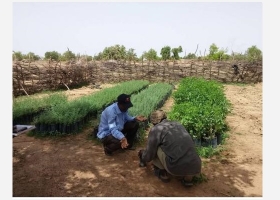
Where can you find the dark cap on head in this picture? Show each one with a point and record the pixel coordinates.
(124, 99)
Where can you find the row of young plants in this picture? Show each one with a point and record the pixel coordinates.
(201, 106)
(71, 116)
(25, 108)
(148, 100)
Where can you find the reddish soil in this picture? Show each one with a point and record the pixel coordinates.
(75, 165)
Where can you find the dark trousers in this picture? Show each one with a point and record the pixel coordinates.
(130, 129)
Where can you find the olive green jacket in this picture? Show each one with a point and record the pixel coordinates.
(174, 140)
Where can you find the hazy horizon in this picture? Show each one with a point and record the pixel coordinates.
(87, 28)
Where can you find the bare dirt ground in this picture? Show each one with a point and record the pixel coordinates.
(75, 166)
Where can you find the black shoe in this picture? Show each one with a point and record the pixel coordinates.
(161, 174)
(131, 148)
(107, 152)
(186, 183)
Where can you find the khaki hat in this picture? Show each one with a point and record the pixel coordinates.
(157, 116)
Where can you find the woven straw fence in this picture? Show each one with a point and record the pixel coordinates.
(33, 77)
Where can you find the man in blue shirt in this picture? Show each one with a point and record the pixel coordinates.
(117, 129)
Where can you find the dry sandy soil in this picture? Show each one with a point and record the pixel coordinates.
(75, 166)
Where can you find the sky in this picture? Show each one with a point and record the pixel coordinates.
(89, 27)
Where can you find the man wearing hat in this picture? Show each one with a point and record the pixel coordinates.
(171, 150)
(117, 129)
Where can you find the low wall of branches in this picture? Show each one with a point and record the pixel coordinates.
(33, 77)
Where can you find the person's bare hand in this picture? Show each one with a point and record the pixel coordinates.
(124, 143)
(141, 118)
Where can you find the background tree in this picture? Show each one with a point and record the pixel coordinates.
(17, 55)
(176, 51)
(130, 55)
(31, 56)
(213, 49)
(151, 55)
(98, 57)
(68, 55)
(253, 54)
(52, 55)
(190, 56)
(217, 54)
(89, 58)
(165, 52)
(237, 56)
(117, 52)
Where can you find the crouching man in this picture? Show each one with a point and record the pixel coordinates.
(117, 129)
(171, 150)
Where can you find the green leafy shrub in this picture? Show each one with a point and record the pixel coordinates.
(201, 107)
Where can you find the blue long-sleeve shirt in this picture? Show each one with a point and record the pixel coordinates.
(112, 122)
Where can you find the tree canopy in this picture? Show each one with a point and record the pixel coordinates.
(119, 52)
